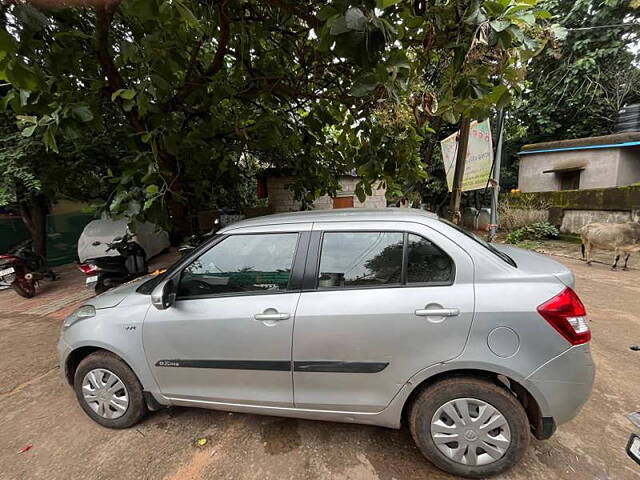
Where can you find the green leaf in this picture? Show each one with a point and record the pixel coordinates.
(7, 44)
(27, 132)
(22, 76)
(449, 116)
(117, 200)
(364, 85)
(500, 25)
(152, 189)
(24, 97)
(125, 93)
(559, 31)
(187, 15)
(82, 113)
(544, 14)
(326, 12)
(49, 139)
(382, 4)
(116, 94)
(355, 19)
(339, 26)
(495, 9)
(528, 18)
(128, 94)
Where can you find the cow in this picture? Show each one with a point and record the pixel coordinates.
(619, 237)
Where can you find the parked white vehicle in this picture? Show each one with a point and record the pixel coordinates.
(149, 236)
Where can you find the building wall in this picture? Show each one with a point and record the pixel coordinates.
(600, 168)
(629, 166)
(281, 199)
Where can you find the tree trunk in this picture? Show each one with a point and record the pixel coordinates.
(33, 211)
(458, 176)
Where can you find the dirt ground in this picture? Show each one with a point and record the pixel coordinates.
(38, 409)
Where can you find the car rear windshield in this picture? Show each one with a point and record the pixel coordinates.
(501, 255)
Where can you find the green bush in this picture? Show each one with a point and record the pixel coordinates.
(535, 231)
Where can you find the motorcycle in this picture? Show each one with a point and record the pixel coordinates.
(22, 268)
(107, 272)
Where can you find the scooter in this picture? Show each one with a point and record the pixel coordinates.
(22, 268)
(107, 272)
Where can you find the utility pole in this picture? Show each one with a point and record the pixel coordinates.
(496, 178)
(461, 159)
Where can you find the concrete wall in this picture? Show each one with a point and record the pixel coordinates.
(571, 209)
(574, 220)
(601, 168)
(281, 199)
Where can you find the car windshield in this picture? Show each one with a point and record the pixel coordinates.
(503, 256)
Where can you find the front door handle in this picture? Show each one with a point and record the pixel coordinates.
(438, 312)
(271, 317)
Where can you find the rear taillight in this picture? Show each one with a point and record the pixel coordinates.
(566, 313)
(88, 268)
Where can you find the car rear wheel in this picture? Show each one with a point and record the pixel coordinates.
(469, 427)
(108, 391)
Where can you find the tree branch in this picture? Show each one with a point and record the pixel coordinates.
(216, 64)
(104, 17)
(311, 19)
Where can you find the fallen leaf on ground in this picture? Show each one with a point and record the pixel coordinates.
(26, 448)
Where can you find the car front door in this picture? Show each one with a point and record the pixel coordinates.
(386, 300)
(227, 338)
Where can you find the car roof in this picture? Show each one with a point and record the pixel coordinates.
(338, 215)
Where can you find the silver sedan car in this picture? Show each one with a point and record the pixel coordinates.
(380, 317)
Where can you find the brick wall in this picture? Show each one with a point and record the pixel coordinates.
(281, 199)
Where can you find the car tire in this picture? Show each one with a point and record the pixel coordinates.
(127, 405)
(477, 397)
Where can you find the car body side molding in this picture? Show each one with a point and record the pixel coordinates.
(279, 365)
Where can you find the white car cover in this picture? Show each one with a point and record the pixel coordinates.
(148, 235)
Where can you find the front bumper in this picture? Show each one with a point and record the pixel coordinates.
(63, 352)
(564, 383)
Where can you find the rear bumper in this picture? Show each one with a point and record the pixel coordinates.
(563, 384)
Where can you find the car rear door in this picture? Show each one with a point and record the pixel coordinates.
(227, 338)
(380, 302)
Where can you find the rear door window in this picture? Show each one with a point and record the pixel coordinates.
(361, 259)
(427, 263)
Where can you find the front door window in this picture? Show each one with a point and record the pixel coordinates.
(241, 264)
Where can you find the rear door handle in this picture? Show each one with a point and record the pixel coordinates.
(273, 317)
(438, 312)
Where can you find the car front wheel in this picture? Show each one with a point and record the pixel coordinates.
(469, 427)
(108, 391)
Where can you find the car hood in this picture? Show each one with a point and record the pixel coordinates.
(536, 264)
(113, 297)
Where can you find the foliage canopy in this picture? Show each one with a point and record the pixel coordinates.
(200, 93)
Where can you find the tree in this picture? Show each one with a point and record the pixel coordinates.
(576, 89)
(203, 88)
(33, 177)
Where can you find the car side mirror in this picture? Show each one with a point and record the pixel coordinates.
(164, 295)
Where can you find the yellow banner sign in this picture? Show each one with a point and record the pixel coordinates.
(479, 157)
